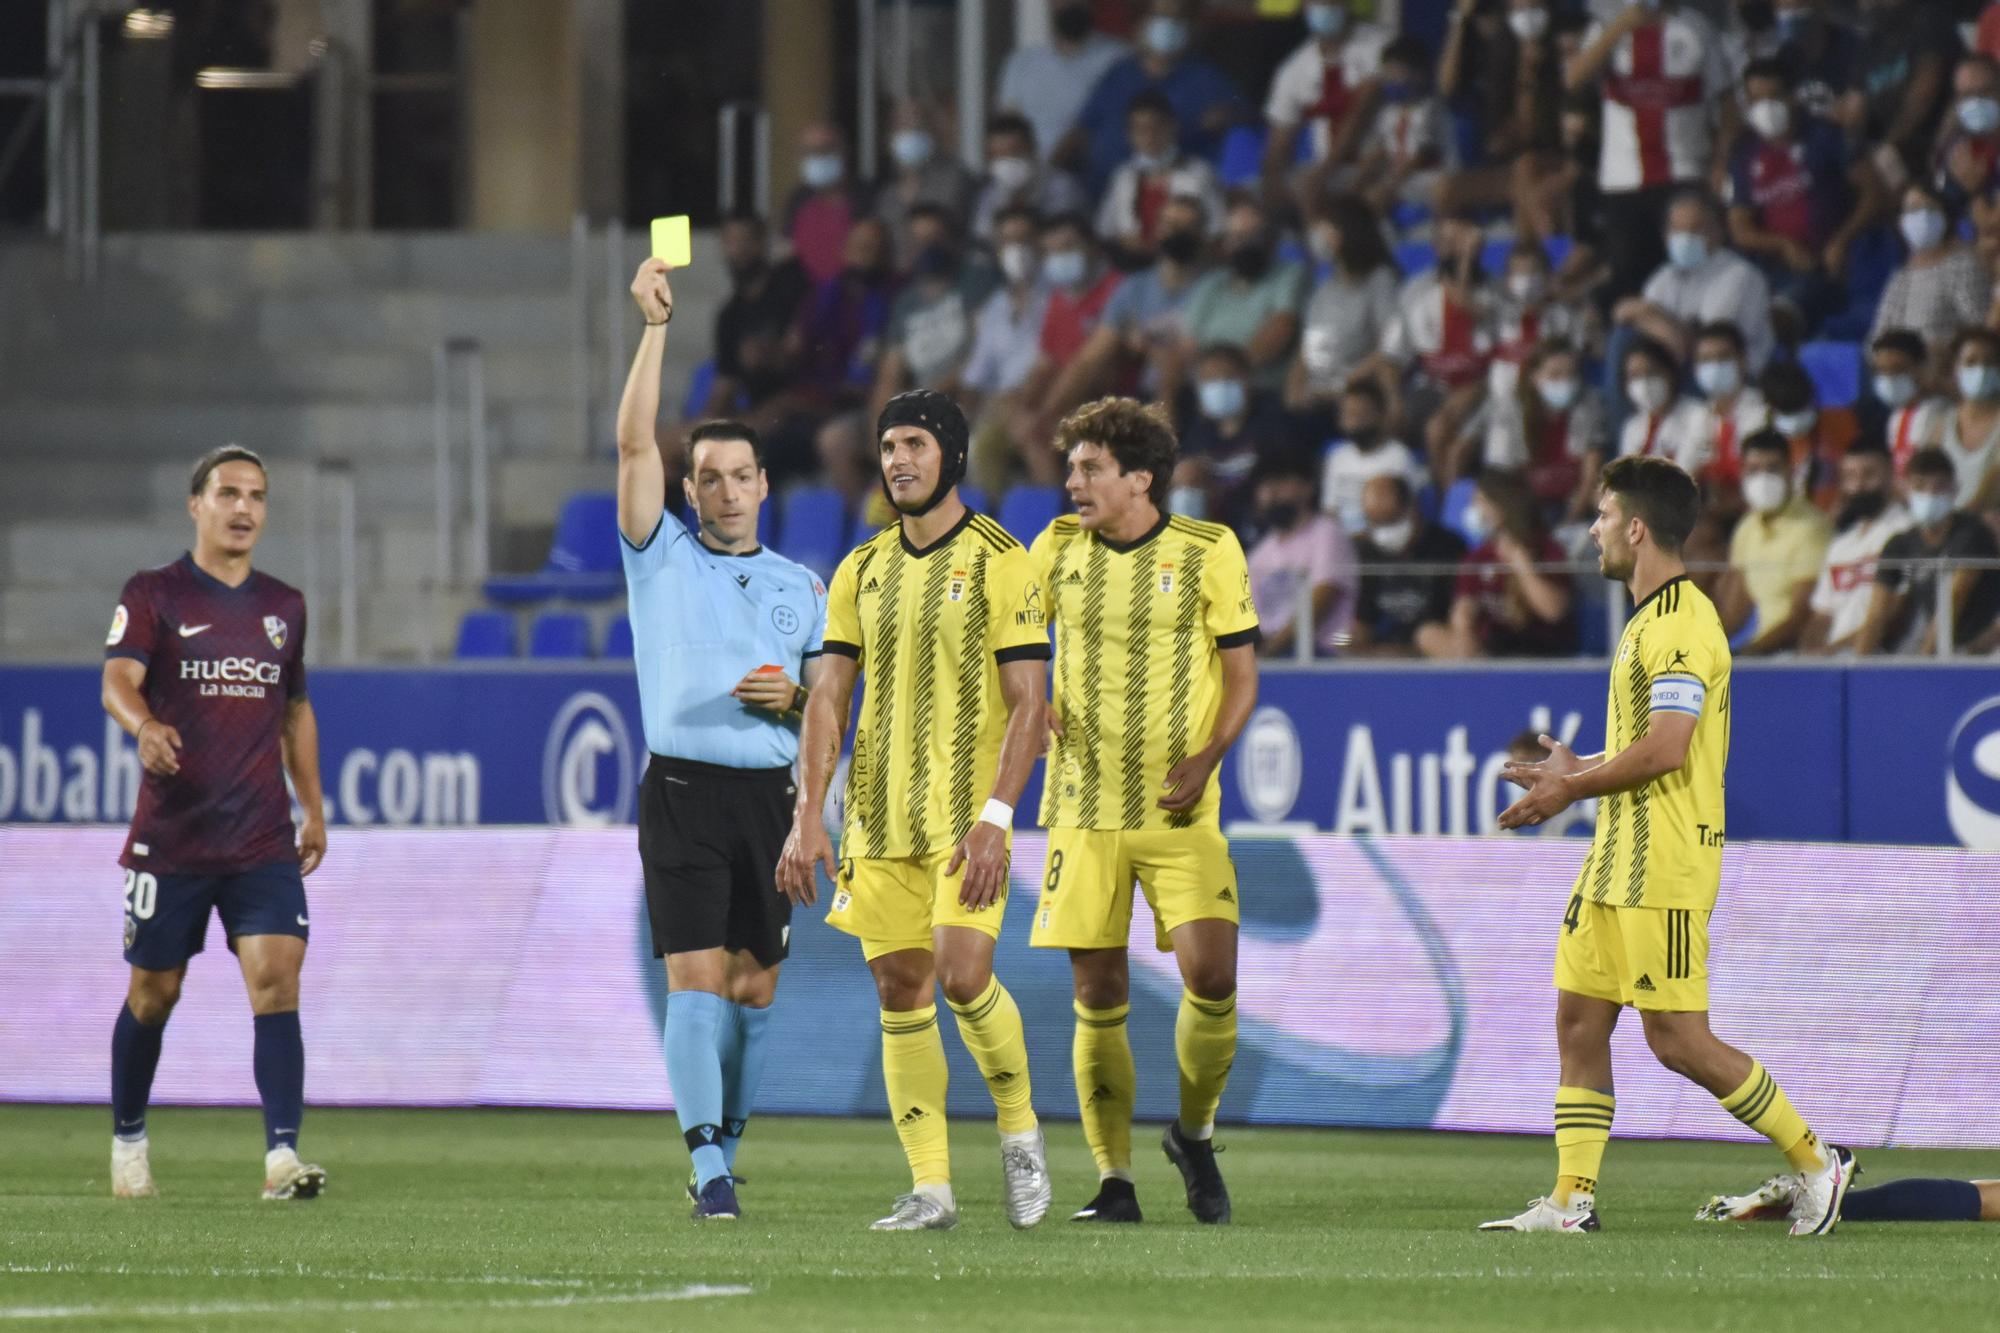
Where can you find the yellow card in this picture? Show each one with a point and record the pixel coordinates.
(671, 241)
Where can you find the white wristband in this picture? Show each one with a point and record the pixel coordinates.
(998, 813)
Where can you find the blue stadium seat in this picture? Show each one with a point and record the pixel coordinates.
(559, 635)
(618, 638)
(701, 383)
(1026, 510)
(1558, 248)
(815, 528)
(1414, 257)
(1493, 256)
(1451, 512)
(1404, 216)
(974, 498)
(583, 563)
(485, 634)
(1835, 368)
(1242, 155)
(1872, 261)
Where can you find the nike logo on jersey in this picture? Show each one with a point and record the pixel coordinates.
(189, 631)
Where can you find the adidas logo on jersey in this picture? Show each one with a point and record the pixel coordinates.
(873, 585)
(1075, 577)
(1227, 895)
(913, 1115)
(1644, 983)
(1100, 1093)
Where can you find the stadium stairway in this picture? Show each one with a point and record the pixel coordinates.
(305, 347)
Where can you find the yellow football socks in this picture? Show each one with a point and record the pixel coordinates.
(1106, 1086)
(1762, 1105)
(1205, 1042)
(913, 1067)
(1583, 1127)
(990, 1027)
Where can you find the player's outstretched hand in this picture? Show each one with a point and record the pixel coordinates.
(772, 690)
(651, 290)
(1547, 797)
(1186, 781)
(984, 855)
(806, 850)
(159, 749)
(312, 843)
(1562, 762)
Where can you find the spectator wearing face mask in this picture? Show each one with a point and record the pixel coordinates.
(1327, 89)
(1393, 607)
(1348, 313)
(1253, 301)
(1302, 566)
(1775, 553)
(1504, 67)
(1798, 196)
(1550, 428)
(1364, 451)
(1966, 166)
(1817, 436)
(1528, 312)
(1969, 436)
(1205, 102)
(1732, 409)
(1434, 358)
(1902, 83)
(1702, 282)
(1902, 615)
(921, 173)
(1666, 109)
(1662, 424)
(1869, 516)
(826, 203)
(1049, 82)
(1157, 171)
(1234, 423)
(1942, 287)
(1409, 147)
(1139, 341)
(1017, 178)
(930, 326)
(1503, 605)
(1913, 416)
(1006, 341)
(1080, 286)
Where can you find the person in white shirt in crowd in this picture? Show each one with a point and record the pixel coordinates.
(1302, 566)
(1326, 88)
(1869, 516)
(1550, 427)
(1943, 286)
(1899, 379)
(1903, 615)
(1017, 178)
(1775, 553)
(1049, 82)
(1006, 340)
(924, 172)
(1347, 314)
(1662, 423)
(1409, 146)
(1702, 282)
(1128, 218)
(1666, 113)
(1364, 450)
(1732, 410)
(1529, 313)
(1969, 434)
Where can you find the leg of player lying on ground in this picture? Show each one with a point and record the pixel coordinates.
(1913, 1200)
(1636, 931)
(1155, 678)
(210, 645)
(943, 613)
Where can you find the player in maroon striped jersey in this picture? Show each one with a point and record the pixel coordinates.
(205, 667)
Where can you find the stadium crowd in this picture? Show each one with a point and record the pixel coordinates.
(1405, 303)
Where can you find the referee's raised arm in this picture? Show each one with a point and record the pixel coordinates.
(642, 477)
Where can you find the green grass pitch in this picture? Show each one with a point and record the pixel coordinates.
(497, 1220)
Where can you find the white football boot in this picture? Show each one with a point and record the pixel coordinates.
(1543, 1215)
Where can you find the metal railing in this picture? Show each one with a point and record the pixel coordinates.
(461, 415)
(730, 122)
(64, 102)
(329, 488)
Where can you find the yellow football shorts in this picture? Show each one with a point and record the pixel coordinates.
(1647, 957)
(894, 902)
(1087, 888)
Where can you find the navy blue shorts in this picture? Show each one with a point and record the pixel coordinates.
(166, 916)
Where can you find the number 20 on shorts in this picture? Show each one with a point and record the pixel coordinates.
(142, 892)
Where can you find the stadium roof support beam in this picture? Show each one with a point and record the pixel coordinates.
(972, 82)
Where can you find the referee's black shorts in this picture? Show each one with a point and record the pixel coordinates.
(709, 839)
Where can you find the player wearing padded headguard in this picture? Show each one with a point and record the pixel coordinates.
(941, 612)
(1636, 931)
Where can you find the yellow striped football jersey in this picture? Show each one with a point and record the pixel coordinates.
(930, 629)
(1660, 845)
(1139, 628)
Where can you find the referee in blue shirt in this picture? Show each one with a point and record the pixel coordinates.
(723, 631)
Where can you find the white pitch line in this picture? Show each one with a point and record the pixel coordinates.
(297, 1271)
(213, 1309)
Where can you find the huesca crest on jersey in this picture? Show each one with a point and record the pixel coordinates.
(275, 628)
